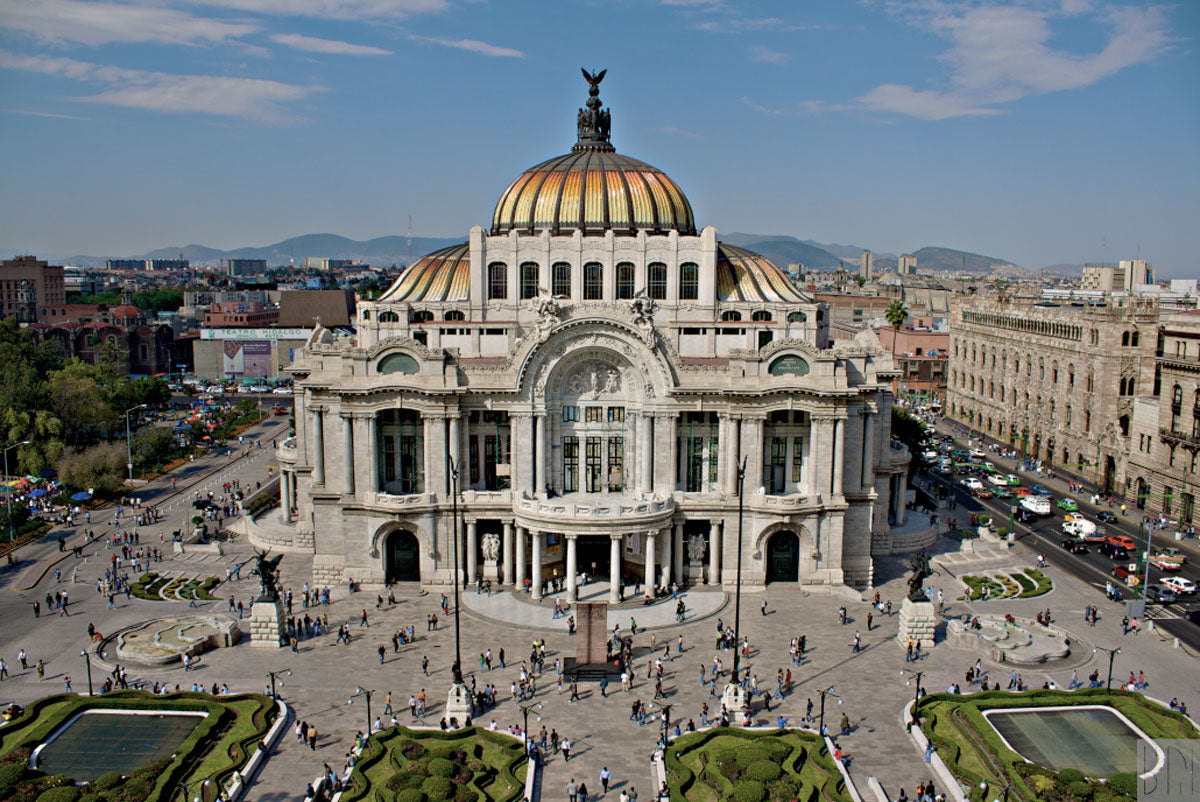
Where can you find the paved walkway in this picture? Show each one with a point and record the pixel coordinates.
(511, 608)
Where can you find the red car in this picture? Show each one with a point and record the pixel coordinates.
(279, 411)
(1125, 541)
(1021, 491)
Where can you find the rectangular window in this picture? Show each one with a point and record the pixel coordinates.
(570, 464)
(797, 458)
(529, 280)
(472, 460)
(412, 467)
(570, 414)
(593, 414)
(776, 465)
(694, 481)
(592, 466)
(593, 281)
(616, 464)
(616, 414)
(656, 281)
(1167, 493)
(497, 281)
(562, 279)
(712, 459)
(625, 272)
(689, 282)
(389, 459)
(495, 451)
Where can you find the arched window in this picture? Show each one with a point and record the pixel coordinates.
(454, 314)
(797, 317)
(397, 363)
(1133, 340)
(497, 281)
(1125, 338)
(625, 280)
(529, 280)
(561, 278)
(1068, 416)
(1089, 381)
(1123, 422)
(1054, 373)
(656, 281)
(388, 316)
(1041, 369)
(1087, 420)
(422, 316)
(689, 281)
(1053, 407)
(593, 281)
(761, 316)
(731, 315)
(1071, 376)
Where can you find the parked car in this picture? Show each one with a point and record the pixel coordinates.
(1181, 586)
(1113, 551)
(1067, 504)
(1075, 545)
(1106, 516)
(1041, 490)
(1161, 594)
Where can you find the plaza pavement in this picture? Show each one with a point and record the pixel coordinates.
(324, 675)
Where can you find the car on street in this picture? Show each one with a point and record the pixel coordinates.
(971, 483)
(1127, 572)
(1041, 490)
(1170, 559)
(1012, 479)
(1181, 586)
(1113, 551)
(1078, 528)
(282, 391)
(978, 453)
(1018, 490)
(982, 492)
(1067, 504)
(1002, 492)
(997, 480)
(1161, 594)
(1025, 516)
(1106, 516)
(1035, 504)
(1075, 545)
(279, 411)
(1124, 541)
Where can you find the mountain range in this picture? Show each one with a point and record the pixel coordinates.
(390, 250)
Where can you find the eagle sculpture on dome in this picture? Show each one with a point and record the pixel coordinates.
(593, 80)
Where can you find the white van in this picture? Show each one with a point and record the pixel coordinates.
(1038, 505)
(1079, 528)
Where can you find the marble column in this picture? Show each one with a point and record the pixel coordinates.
(722, 449)
(731, 454)
(868, 460)
(536, 569)
(285, 497)
(372, 455)
(520, 558)
(455, 449)
(572, 570)
(668, 559)
(839, 454)
(651, 567)
(645, 449)
(318, 473)
(678, 567)
(614, 568)
(541, 457)
(676, 475)
(902, 499)
(427, 456)
(714, 552)
(508, 553)
(472, 551)
(348, 456)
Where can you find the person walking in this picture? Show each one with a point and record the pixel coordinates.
(605, 777)
(762, 606)
(572, 791)
(565, 746)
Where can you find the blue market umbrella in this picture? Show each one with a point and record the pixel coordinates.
(82, 495)
(41, 491)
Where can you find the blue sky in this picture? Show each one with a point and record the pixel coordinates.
(1041, 131)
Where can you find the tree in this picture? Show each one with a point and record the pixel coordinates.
(908, 430)
(859, 280)
(79, 400)
(99, 467)
(152, 446)
(896, 313)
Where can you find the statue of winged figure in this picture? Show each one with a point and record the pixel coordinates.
(266, 571)
(593, 80)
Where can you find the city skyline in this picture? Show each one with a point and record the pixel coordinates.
(1038, 132)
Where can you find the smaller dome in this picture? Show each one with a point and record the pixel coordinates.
(744, 275)
(444, 275)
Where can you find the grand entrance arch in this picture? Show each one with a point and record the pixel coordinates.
(401, 557)
(783, 557)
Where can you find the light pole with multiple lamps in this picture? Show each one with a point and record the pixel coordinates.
(525, 711)
(1112, 654)
(87, 659)
(129, 442)
(8, 490)
(826, 692)
(458, 705)
(273, 675)
(914, 677)
(734, 697)
(366, 694)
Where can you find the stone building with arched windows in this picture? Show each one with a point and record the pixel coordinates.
(589, 374)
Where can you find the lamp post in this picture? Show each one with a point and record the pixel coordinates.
(273, 675)
(1112, 654)
(733, 699)
(8, 495)
(914, 678)
(458, 677)
(525, 722)
(129, 442)
(87, 659)
(184, 786)
(826, 692)
(367, 695)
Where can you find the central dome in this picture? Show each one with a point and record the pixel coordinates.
(593, 188)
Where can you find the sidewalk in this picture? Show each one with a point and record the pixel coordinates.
(517, 610)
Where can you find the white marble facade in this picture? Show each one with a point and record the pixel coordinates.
(593, 431)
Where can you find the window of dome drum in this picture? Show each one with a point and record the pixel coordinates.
(561, 278)
(790, 364)
(625, 279)
(593, 281)
(689, 282)
(454, 314)
(529, 280)
(761, 316)
(422, 316)
(731, 316)
(397, 363)
(656, 282)
(497, 281)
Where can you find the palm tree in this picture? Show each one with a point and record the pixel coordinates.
(896, 314)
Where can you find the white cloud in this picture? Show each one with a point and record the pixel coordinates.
(743, 24)
(335, 9)
(761, 109)
(251, 98)
(676, 131)
(311, 44)
(32, 113)
(1002, 53)
(768, 56)
(105, 23)
(473, 45)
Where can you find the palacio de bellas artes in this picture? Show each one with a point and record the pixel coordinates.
(592, 374)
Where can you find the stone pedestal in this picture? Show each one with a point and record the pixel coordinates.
(266, 624)
(733, 699)
(458, 706)
(491, 570)
(918, 622)
(592, 621)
